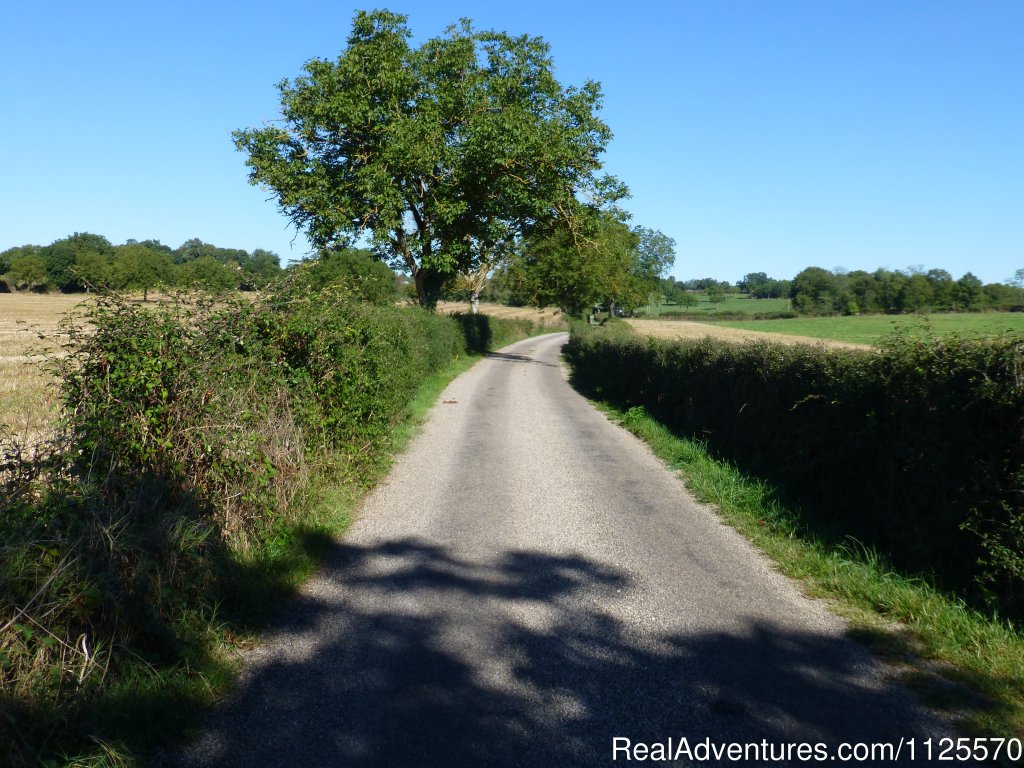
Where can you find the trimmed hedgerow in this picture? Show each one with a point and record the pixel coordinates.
(188, 430)
(916, 449)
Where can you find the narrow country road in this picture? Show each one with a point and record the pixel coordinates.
(531, 583)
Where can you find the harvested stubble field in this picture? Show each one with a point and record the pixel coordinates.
(548, 317)
(28, 398)
(685, 329)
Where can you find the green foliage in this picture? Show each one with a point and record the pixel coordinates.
(7, 257)
(141, 268)
(917, 450)
(440, 153)
(818, 291)
(176, 497)
(83, 262)
(814, 290)
(715, 294)
(208, 274)
(357, 270)
(594, 260)
(63, 256)
(28, 273)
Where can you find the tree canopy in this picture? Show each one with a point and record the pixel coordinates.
(601, 260)
(436, 154)
(83, 261)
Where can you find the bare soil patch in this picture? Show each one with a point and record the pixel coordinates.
(686, 329)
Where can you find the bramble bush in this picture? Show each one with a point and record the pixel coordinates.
(916, 449)
(188, 430)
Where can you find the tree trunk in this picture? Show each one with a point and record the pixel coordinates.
(429, 283)
(474, 302)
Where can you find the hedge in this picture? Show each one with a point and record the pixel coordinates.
(188, 428)
(916, 450)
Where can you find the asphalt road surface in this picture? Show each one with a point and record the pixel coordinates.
(531, 584)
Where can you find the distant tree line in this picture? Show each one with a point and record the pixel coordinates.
(84, 261)
(820, 291)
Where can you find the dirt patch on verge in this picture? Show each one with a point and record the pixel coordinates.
(686, 329)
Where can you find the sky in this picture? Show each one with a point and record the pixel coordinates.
(761, 135)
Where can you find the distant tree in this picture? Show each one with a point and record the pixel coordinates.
(263, 266)
(357, 269)
(93, 270)
(208, 274)
(141, 268)
(153, 245)
(28, 272)
(654, 256)
(942, 288)
(62, 255)
(814, 290)
(968, 293)
(862, 292)
(890, 286)
(715, 293)
(688, 300)
(754, 283)
(1016, 281)
(1003, 296)
(671, 290)
(8, 256)
(917, 293)
(193, 249)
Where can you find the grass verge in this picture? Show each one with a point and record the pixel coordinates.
(960, 661)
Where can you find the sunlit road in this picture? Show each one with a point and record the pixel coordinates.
(530, 584)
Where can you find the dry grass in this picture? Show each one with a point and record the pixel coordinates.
(549, 317)
(684, 329)
(28, 398)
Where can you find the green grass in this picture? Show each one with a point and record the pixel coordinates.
(870, 329)
(734, 302)
(956, 658)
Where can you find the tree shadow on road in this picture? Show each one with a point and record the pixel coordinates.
(399, 659)
(511, 357)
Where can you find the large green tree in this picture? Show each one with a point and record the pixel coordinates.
(436, 154)
(599, 261)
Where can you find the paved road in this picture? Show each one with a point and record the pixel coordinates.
(530, 583)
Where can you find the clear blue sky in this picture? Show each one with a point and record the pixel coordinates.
(761, 136)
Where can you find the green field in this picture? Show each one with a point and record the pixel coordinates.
(870, 329)
(734, 302)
